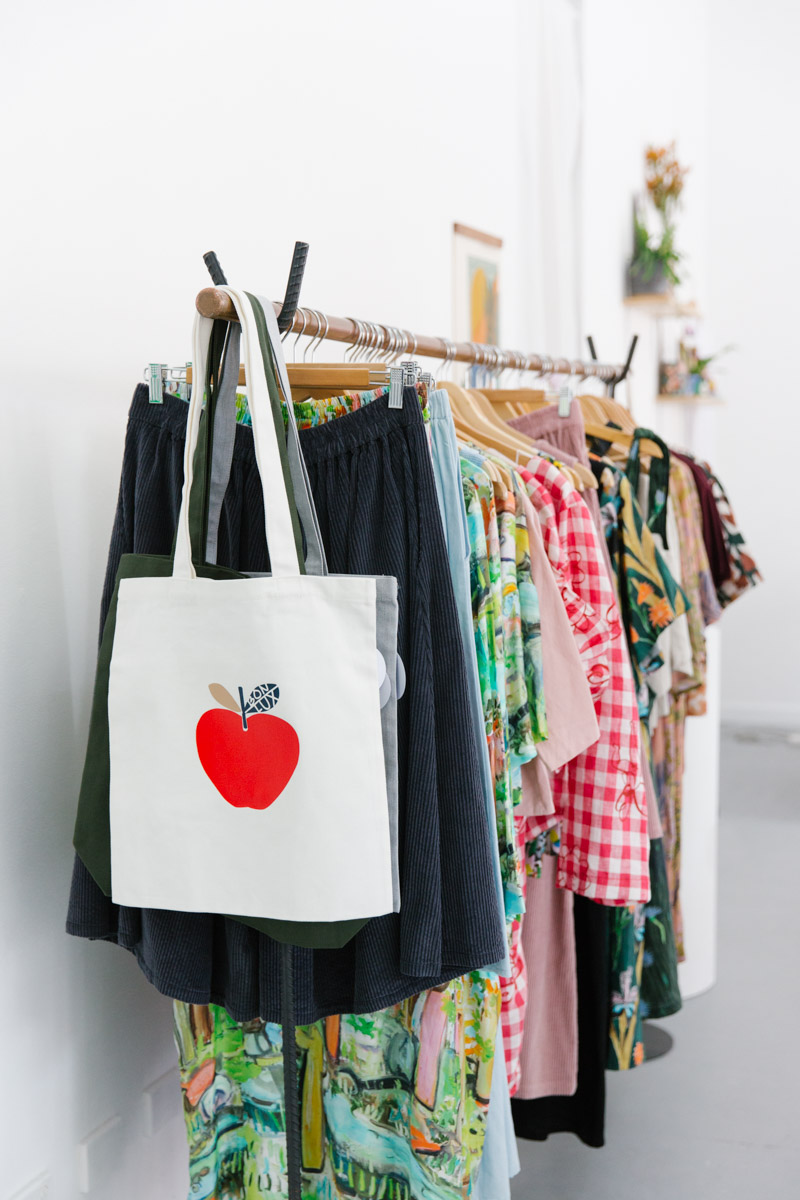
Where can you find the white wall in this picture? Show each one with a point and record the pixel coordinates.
(718, 76)
(754, 102)
(135, 138)
(644, 81)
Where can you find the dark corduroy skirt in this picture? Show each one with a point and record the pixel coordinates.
(375, 495)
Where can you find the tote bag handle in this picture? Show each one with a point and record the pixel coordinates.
(224, 434)
(278, 512)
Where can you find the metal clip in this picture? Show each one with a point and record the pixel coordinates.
(396, 387)
(154, 380)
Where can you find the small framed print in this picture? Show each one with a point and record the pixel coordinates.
(476, 285)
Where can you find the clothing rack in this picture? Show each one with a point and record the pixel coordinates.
(379, 339)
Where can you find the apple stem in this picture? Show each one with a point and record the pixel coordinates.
(244, 714)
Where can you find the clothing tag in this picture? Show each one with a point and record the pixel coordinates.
(395, 387)
(156, 385)
(564, 401)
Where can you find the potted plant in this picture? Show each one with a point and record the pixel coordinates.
(653, 267)
(689, 376)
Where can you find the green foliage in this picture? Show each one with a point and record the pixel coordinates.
(649, 256)
(695, 365)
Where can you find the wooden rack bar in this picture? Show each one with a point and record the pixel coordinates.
(212, 302)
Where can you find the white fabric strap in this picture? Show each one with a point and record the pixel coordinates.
(277, 513)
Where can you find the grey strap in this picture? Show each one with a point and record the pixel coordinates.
(223, 439)
(225, 436)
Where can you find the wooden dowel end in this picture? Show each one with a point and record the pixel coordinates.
(211, 302)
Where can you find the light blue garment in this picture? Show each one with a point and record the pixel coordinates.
(447, 472)
(500, 1159)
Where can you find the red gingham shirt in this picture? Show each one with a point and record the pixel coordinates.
(599, 795)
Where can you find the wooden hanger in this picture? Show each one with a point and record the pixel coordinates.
(603, 409)
(598, 410)
(620, 437)
(581, 476)
(510, 402)
(321, 381)
(591, 409)
(470, 423)
(524, 400)
(500, 477)
(516, 443)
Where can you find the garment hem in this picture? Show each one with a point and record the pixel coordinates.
(477, 961)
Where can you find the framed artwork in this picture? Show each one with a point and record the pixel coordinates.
(476, 285)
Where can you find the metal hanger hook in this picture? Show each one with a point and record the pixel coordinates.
(372, 337)
(300, 334)
(578, 368)
(354, 353)
(358, 349)
(318, 336)
(312, 337)
(381, 342)
(397, 341)
(446, 360)
(324, 334)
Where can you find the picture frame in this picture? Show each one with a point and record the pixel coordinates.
(476, 285)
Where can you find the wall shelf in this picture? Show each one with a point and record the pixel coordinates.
(690, 398)
(661, 305)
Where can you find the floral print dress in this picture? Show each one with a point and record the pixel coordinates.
(487, 612)
(393, 1104)
(643, 961)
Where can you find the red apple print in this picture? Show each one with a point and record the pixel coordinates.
(247, 753)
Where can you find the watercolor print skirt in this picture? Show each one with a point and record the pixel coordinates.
(393, 1103)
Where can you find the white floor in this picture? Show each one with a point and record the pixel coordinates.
(719, 1116)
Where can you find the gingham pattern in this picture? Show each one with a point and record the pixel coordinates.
(590, 628)
(599, 795)
(514, 989)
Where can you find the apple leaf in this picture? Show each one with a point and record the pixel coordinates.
(262, 698)
(223, 697)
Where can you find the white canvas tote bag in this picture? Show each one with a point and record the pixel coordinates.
(247, 770)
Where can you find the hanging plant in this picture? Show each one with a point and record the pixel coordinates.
(653, 267)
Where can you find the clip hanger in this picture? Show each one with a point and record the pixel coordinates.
(396, 387)
(155, 384)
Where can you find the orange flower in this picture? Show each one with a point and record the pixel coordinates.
(634, 636)
(660, 614)
(645, 590)
(638, 1054)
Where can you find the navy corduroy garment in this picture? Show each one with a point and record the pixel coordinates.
(374, 491)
